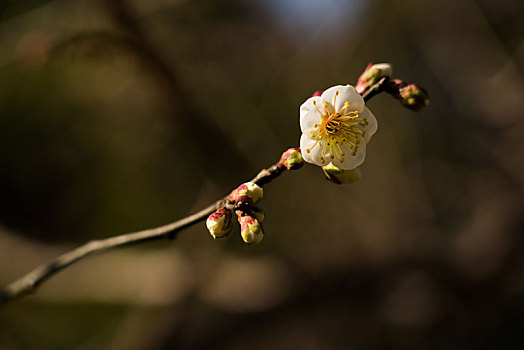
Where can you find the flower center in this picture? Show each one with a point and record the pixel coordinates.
(337, 128)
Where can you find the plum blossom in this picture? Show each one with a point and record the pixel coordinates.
(336, 127)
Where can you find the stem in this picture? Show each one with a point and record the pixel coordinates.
(29, 282)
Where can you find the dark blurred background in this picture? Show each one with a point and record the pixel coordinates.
(120, 115)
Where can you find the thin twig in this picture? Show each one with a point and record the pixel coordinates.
(29, 283)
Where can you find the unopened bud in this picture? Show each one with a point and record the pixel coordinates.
(250, 229)
(410, 95)
(316, 93)
(414, 97)
(219, 223)
(248, 192)
(371, 75)
(291, 159)
(340, 176)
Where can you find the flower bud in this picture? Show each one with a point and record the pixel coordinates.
(250, 229)
(248, 192)
(340, 176)
(219, 223)
(371, 75)
(316, 93)
(410, 95)
(414, 97)
(291, 159)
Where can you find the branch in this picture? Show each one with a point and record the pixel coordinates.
(29, 283)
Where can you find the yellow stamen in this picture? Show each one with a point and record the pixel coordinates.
(338, 128)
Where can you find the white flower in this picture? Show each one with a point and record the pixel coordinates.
(336, 127)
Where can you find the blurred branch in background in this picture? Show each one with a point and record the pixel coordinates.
(188, 119)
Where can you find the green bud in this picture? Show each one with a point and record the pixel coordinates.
(340, 176)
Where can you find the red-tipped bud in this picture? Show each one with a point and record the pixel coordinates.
(414, 97)
(250, 229)
(248, 193)
(316, 93)
(371, 75)
(291, 159)
(410, 95)
(219, 223)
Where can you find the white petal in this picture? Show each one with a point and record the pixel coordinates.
(309, 114)
(372, 126)
(351, 162)
(346, 93)
(328, 96)
(313, 156)
(309, 105)
(308, 120)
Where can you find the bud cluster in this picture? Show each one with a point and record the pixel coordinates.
(410, 95)
(242, 201)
